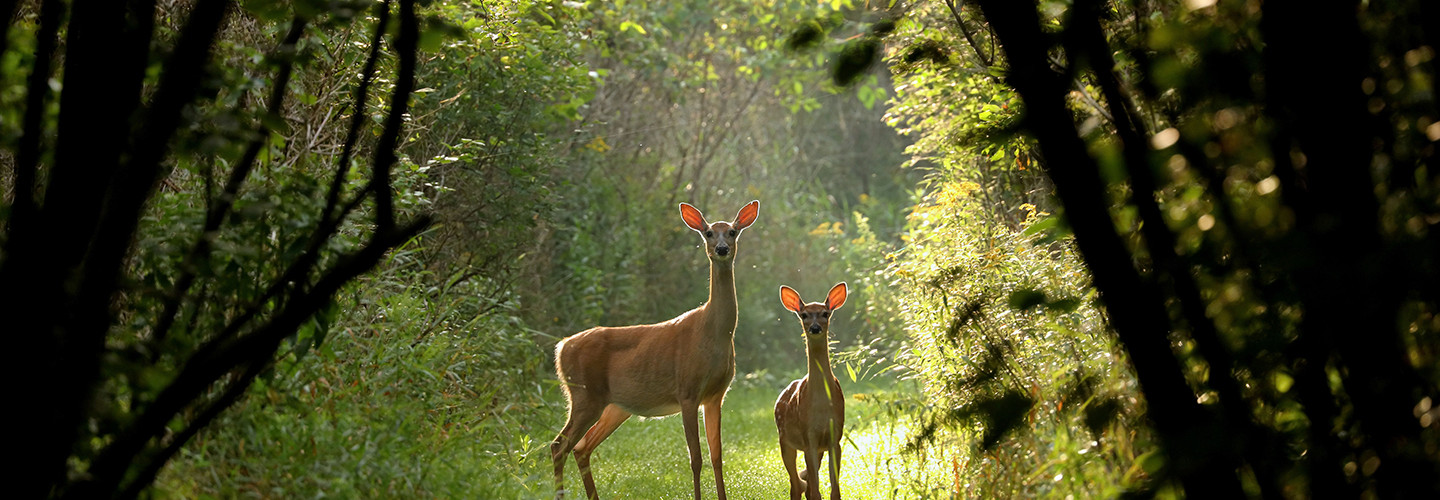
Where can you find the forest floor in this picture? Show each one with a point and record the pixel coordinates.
(647, 458)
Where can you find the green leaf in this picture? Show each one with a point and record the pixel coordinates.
(1041, 226)
(629, 25)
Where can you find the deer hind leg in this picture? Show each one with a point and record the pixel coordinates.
(610, 419)
(583, 414)
(797, 485)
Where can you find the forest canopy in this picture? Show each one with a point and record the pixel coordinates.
(1095, 249)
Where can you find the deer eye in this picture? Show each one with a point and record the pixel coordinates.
(732, 233)
(825, 314)
(709, 234)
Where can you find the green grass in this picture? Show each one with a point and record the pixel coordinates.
(472, 416)
(647, 458)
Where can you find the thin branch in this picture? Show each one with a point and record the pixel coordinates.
(222, 207)
(357, 114)
(146, 476)
(200, 372)
(385, 152)
(969, 38)
(27, 160)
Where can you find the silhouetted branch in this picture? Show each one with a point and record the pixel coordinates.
(1088, 38)
(969, 38)
(220, 208)
(385, 156)
(1136, 310)
(357, 114)
(233, 391)
(224, 353)
(37, 88)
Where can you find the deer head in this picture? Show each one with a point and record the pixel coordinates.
(721, 238)
(815, 316)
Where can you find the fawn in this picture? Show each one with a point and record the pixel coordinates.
(810, 413)
(610, 373)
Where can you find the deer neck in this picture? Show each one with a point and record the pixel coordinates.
(817, 355)
(720, 308)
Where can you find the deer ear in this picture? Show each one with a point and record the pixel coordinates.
(747, 215)
(790, 298)
(692, 217)
(836, 298)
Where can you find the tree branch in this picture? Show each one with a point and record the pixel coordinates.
(385, 152)
(1085, 36)
(146, 476)
(1135, 307)
(221, 208)
(969, 38)
(357, 114)
(27, 159)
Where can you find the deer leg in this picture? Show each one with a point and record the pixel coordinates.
(610, 419)
(812, 467)
(787, 457)
(581, 416)
(835, 470)
(712, 434)
(688, 413)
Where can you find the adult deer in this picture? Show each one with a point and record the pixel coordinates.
(611, 373)
(810, 413)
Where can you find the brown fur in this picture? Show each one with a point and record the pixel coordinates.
(611, 373)
(810, 417)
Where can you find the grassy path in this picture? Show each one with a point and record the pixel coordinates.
(647, 459)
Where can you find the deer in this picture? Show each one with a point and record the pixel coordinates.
(681, 365)
(810, 413)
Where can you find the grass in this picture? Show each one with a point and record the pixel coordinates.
(465, 415)
(647, 458)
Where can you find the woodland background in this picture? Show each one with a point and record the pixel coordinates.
(325, 248)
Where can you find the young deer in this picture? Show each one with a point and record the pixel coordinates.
(610, 373)
(810, 414)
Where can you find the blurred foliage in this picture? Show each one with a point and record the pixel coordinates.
(699, 102)
(1025, 389)
(404, 374)
(1203, 95)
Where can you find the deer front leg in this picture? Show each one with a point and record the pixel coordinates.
(689, 410)
(835, 470)
(787, 457)
(812, 472)
(712, 434)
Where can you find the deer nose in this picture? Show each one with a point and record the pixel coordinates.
(815, 328)
(722, 251)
